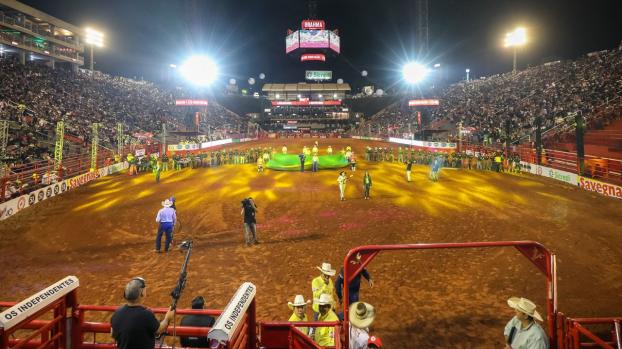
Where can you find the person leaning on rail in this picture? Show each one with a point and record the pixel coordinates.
(197, 320)
(133, 326)
(522, 332)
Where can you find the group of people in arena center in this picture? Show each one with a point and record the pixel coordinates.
(550, 91)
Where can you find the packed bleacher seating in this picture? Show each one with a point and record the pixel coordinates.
(551, 91)
(34, 97)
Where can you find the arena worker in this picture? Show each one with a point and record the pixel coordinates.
(133, 326)
(342, 180)
(325, 336)
(355, 285)
(299, 307)
(249, 208)
(322, 284)
(166, 219)
(522, 331)
(409, 166)
(361, 316)
(197, 320)
(284, 150)
(367, 184)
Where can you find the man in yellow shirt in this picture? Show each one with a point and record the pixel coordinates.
(299, 314)
(325, 336)
(322, 284)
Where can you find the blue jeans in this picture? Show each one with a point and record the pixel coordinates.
(314, 167)
(166, 228)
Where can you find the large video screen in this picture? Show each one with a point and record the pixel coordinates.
(291, 42)
(314, 38)
(334, 42)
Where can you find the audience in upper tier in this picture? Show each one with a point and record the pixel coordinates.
(549, 91)
(33, 97)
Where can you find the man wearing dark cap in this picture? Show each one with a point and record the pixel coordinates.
(133, 326)
(198, 320)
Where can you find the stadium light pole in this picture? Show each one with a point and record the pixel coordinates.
(515, 39)
(93, 38)
(467, 74)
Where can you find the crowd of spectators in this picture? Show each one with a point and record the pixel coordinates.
(33, 97)
(551, 91)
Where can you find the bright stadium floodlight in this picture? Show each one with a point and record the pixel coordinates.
(414, 72)
(515, 39)
(93, 38)
(199, 70)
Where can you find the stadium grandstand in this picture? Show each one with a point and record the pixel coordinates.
(417, 209)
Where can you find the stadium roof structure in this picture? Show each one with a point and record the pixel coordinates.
(303, 87)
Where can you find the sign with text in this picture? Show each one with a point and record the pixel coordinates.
(599, 187)
(191, 102)
(37, 301)
(423, 102)
(318, 75)
(313, 24)
(313, 57)
(231, 317)
(305, 103)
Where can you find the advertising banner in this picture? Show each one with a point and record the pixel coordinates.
(292, 42)
(432, 146)
(231, 317)
(139, 152)
(305, 103)
(335, 41)
(423, 102)
(314, 38)
(563, 176)
(599, 187)
(191, 102)
(313, 57)
(13, 206)
(318, 75)
(313, 24)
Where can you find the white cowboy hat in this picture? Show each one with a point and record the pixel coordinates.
(361, 314)
(324, 299)
(327, 269)
(526, 306)
(167, 203)
(299, 301)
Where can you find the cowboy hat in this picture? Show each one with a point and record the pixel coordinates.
(325, 299)
(299, 301)
(327, 269)
(526, 306)
(167, 203)
(361, 314)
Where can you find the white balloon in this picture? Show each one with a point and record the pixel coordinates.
(364, 73)
(340, 81)
(232, 81)
(251, 81)
(379, 92)
(262, 76)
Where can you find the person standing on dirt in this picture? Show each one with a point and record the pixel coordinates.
(249, 208)
(302, 157)
(342, 180)
(132, 325)
(409, 166)
(321, 285)
(522, 331)
(166, 222)
(367, 184)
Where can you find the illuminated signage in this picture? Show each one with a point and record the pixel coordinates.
(313, 57)
(423, 102)
(305, 103)
(313, 24)
(191, 102)
(319, 75)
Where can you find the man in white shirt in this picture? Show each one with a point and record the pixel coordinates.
(522, 331)
(361, 316)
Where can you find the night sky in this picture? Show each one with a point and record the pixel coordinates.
(248, 37)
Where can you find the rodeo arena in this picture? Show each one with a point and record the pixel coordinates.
(311, 212)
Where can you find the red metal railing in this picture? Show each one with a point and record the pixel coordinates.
(576, 334)
(282, 335)
(537, 254)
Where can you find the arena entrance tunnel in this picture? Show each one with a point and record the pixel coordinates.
(53, 317)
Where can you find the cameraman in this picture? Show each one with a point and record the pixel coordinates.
(250, 229)
(133, 326)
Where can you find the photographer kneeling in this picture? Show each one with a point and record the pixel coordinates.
(133, 325)
(249, 208)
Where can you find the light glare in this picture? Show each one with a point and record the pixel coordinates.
(518, 37)
(199, 70)
(414, 72)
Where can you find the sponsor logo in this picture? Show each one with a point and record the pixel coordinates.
(313, 24)
(56, 189)
(32, 198)
(63, 187)
(82, 179)
(605, 189)
(21, 203)
(40, 195)
(48, 192)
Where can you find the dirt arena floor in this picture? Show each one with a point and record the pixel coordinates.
(104, 232)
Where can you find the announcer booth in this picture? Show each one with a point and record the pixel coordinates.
(306, 107)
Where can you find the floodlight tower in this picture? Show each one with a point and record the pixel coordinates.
(515, 39)
(93, 38)
(423, 31)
